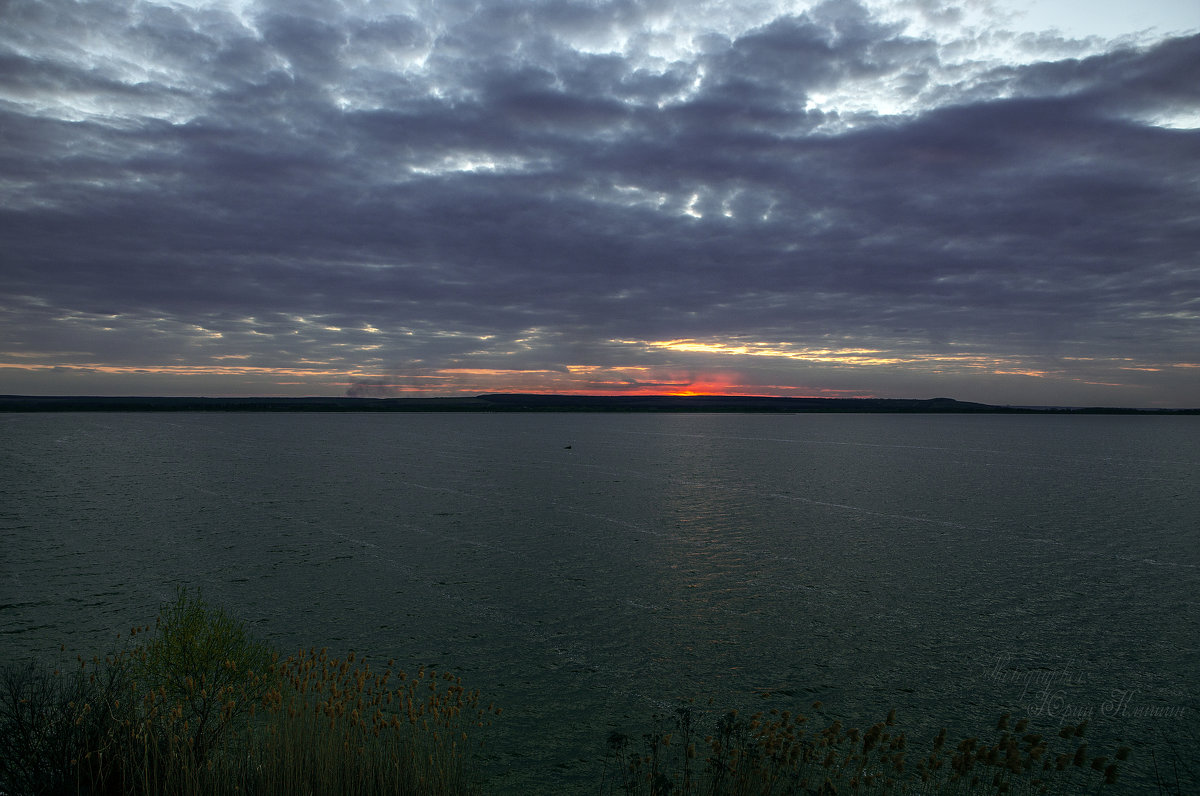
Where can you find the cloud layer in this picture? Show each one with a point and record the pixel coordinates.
(835, 199)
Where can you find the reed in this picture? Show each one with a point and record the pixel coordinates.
(194, 706)
(781, 752)
(336, 725)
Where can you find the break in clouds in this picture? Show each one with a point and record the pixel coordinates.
(896, 199)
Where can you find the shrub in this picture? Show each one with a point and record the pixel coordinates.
(197, 706)
(60, 733)
(38, 734)
(199, 674)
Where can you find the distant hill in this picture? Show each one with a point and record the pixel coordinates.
(533, 402)
(722, 403)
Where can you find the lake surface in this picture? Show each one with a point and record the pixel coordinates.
(953, 567)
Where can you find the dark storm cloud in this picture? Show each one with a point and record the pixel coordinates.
(552, 185)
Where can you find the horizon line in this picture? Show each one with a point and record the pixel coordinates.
(17, 402)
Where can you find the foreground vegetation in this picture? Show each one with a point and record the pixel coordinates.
(779, 752)
(195, 705)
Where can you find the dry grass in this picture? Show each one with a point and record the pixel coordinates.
(196, 707)
(338, 726)
(780, 752)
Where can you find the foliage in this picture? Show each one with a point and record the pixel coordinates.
(200, 673)
(196, 706)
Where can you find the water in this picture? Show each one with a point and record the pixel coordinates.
(952, 567)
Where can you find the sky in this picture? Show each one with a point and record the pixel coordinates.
(989, 201)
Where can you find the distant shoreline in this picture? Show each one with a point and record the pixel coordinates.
(528, 402)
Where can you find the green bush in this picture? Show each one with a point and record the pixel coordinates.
(199, 673)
